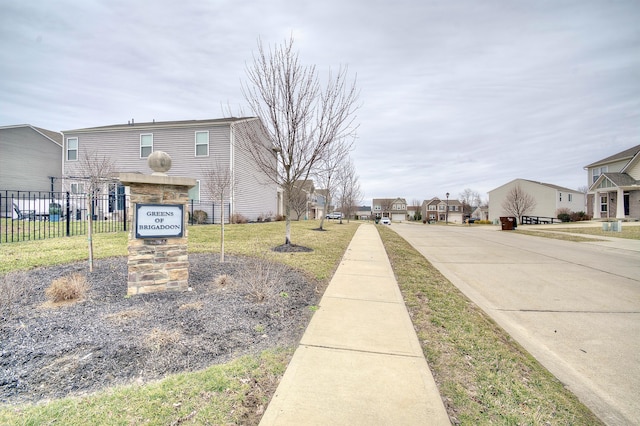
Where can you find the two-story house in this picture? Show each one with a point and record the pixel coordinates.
(437, 210)
(614, 186)
(393, 208)
(30, 164)
(197, 148)
(549, 198)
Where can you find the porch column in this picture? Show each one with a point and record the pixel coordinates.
(596, 206)
(620, 204)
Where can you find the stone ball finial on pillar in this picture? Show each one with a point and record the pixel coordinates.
(159, 162)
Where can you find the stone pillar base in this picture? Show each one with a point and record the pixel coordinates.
(158, 265)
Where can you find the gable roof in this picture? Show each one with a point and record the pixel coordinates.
(548, 185)
(55, 137)
(618, 179)
(160, 124)
(627, 154)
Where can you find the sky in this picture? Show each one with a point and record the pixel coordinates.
(453, 94)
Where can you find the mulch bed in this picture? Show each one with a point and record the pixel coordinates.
(108, 339)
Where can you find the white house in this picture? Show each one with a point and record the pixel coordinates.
(548, 198)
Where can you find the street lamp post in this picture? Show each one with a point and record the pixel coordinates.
(447, 212)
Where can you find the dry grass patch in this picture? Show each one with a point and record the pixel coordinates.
(222, 280)
(159, 338)
(67, 289)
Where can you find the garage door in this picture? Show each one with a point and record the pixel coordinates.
(397, 217)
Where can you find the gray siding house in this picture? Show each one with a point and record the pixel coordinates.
(197, 148)
(30, 158)
(30, 165)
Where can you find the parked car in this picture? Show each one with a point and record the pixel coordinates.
(385, 221)
(334, 215)
(473, 219)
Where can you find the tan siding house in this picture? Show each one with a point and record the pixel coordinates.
(393, 208)
(549, 199)
(435, 210)
(195, 146)
(614, 186)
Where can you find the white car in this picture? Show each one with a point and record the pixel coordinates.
(334, 215)
(385, 221)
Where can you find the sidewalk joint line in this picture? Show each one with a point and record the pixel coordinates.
(362, 351)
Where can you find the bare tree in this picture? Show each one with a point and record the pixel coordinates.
(470, 200)
(417, 204)
(96, 171)
(328, 170)
(301, 118)
(219, 181)
(299, 199)
(350, 193)
(518, 202)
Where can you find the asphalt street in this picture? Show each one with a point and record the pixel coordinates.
(575, 306)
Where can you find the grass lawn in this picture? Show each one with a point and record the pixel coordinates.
(484, 376)
(584, 234)
(217, 395)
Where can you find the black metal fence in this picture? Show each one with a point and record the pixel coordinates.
(201, 212)
(32, 215)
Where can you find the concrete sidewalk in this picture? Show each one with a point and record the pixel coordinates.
(359, 361)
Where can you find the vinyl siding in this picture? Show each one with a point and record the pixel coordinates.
(256, 194)
(28, 159)
(547, 199)
(250, 197)
(634, 170)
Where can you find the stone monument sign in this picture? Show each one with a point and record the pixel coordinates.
(158, 259)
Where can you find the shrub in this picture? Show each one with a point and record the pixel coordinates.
(279, 218)
(200, 217)
(72, 287)
(261, 280)
(222, 280)
(564, 214)
(578, 216)
(238, 218)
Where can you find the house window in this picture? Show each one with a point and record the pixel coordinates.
(441, 207)
(72, 149)
(377, 208)
(194, 193)
(597, 172)
(603, 203)
(77, 188)
(570, 196)
(202, 144)
(560, 196)
(432, 208)
(146, 145)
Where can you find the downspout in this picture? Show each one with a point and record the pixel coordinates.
(232, 147)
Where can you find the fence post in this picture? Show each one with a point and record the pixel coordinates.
(124, 209)
(68, 213)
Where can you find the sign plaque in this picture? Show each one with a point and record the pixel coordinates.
(155, 221)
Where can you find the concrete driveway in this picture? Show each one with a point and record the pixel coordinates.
(574, 306)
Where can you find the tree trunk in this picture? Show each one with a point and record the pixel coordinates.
(287, 221)
(222, 230)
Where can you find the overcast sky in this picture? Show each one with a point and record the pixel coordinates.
(454, 94)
